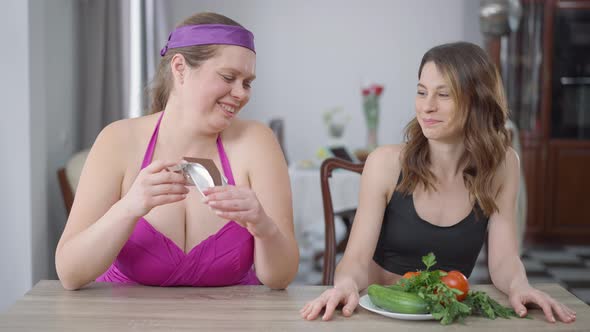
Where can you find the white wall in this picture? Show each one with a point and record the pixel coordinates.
(314, 55)
(15, 140)
(37, 91)
(57, 80)
(36, 137)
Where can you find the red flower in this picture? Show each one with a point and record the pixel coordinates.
(373, 89)
(378, 89)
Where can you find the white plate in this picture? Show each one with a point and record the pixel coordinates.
(366, 303)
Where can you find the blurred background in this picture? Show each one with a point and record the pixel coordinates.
(72, 66)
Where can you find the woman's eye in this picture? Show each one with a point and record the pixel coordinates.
(247, 85)
(421, 93)
(443, 95)
(227, 78)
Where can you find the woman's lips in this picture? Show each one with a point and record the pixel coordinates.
(229, 110)
(430, 122)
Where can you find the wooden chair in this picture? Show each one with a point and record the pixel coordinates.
(327, 167)
(66, 189)
(68, 177)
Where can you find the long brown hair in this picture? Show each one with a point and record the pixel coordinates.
(194, 56)
(478, 93)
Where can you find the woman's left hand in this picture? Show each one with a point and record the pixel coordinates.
(241, 205)
(527, 294)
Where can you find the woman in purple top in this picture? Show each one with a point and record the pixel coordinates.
(133, 221)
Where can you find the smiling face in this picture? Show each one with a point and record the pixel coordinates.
(217, 89)
(436, 109)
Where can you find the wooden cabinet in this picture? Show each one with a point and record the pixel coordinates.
(550, 57)
(568, 190)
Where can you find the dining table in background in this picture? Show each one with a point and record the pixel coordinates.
(120, 307)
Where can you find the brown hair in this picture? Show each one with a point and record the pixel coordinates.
(194, 56)
(478, 93)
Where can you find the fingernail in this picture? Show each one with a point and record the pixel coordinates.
(521, 313)
(552, 319)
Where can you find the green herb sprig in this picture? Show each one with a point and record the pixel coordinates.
(441, 299)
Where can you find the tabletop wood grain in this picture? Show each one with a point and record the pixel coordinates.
(115, 307)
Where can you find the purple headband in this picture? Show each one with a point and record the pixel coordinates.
(209, 34)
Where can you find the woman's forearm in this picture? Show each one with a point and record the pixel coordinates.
(508, 274)
(351, 274)
(276, 257)
(86, 255)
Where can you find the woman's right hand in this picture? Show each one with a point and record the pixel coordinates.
(154, 186)
(330, 299)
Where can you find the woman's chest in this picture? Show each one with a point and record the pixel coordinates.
(445, 207)
(187, 223)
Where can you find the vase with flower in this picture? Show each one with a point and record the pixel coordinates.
(371, 95)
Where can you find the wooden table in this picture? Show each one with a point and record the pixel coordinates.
(110, 307)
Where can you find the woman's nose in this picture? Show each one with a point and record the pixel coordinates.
(239, 92)
(429, 104)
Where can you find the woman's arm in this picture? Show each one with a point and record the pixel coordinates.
(263, 206)
(377, 183)
(100, 222)
(276, 255)
(506, 268)
(352, 273)
(97, 228)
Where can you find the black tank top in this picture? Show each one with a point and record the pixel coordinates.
(405, 238)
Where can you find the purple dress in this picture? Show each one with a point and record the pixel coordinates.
(150, 258)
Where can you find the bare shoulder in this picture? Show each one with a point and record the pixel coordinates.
(385, 159)
(120, 140)
(508, 172)
(253, 136)
(248, 130)
(509, 167)
(112, 140)
(512, 159)
(382, 169)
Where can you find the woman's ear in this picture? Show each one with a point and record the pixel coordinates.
(178, 67)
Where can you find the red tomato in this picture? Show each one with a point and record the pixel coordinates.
(456, 279)
(410, 274)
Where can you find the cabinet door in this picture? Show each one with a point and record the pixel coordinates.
(568, 194)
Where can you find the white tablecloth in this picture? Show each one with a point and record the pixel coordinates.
(308, 209)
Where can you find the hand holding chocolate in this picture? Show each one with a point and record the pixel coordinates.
(200, 172)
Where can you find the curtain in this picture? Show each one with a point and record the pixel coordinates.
(522, 67)
(100, 84)
(119, 43)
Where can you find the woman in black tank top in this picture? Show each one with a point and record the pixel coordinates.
(453, 182)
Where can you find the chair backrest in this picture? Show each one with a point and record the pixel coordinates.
(66, 189)
(277, 126)
(69, 176)
(329, 165)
